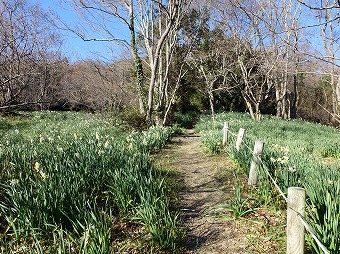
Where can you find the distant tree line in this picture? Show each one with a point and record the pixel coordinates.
(257, 56)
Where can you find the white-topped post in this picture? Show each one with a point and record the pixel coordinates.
(295, 228)
(255, 162)
(239, 140)
(225, 134)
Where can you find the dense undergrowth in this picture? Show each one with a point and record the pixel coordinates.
(70, 181)
(297, 153)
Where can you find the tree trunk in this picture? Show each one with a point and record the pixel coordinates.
(284, 93)
(335, 101)
(293, 98)
(211, 102)
(250, 108)
(278, 100)
(338, 98)
(137, 61)
(257, 112)
(156, 50)
(151, 92)
(294, 94)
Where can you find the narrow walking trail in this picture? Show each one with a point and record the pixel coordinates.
(207, 183)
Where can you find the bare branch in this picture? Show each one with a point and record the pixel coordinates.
(327, 7)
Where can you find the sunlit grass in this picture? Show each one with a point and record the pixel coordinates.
(66, 178)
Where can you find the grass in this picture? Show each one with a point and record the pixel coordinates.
(297, 153)
(67, 179)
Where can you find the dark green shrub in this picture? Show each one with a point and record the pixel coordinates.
(186, 120)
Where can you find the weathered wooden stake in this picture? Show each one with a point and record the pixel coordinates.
(255, 162)
(239, 138)
(295, 228)
(225, 134)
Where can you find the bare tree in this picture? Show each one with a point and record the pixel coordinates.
(257, 86)
(325, 15)
(100, 15)
(269, 36)
(164, 18)
(330, 35)
(286, 34)
(254, 53)
(216, 68)
(25, 57)
(155, 22)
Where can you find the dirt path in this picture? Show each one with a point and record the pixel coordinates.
(205, 187)
(206, 183)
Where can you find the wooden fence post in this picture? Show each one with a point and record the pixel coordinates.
(239, 138)
(225, 133)
(295, 228)
(255, 162)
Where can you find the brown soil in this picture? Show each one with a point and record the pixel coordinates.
(207, 184)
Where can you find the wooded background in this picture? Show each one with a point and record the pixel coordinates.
(260, 56)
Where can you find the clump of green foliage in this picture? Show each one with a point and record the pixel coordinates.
(186, 120)
(294, 154)
(66, 178)
(129, 118)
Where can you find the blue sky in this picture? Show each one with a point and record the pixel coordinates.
(74, 47)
